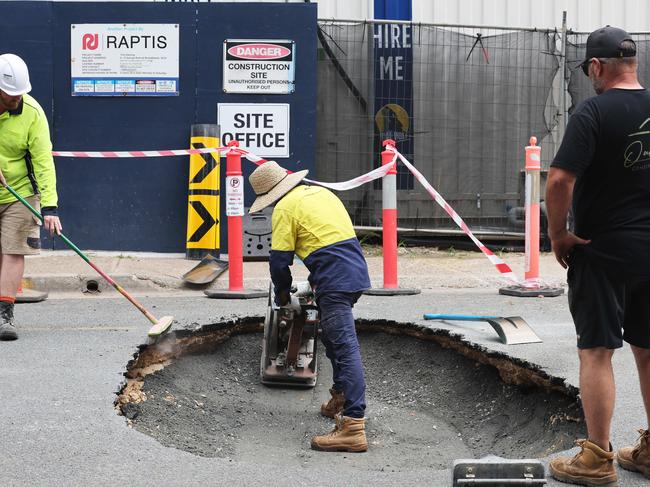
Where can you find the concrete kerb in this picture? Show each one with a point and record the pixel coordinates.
(425, 269)
(68, 283)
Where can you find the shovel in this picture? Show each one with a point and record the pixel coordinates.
(512, 330)
(205, 271)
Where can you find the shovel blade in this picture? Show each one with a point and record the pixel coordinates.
(205, 271)
(513, 330)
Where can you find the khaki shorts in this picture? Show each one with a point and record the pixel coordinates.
(20, 231)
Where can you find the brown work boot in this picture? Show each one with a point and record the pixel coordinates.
(591, 466)
(334, 406)
(636, 458)
(349, 435)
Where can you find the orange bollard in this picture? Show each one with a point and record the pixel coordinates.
(235, 213)
(389, 217)
(389, 230)
(533, 168)
(532, 287)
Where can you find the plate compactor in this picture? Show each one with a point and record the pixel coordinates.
(289, 345)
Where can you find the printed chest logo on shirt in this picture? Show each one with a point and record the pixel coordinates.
(637, 152)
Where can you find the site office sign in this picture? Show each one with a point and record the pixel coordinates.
(124, 59)
(260, 128)
(259, 66)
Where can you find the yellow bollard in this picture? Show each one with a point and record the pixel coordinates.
(203, 200)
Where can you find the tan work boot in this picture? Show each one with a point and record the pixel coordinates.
(349, 435)
(636, 458)
(334, 406)
(591, 466)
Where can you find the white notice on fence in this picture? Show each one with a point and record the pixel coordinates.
(234, 196)
(260, 128)
(124, 59)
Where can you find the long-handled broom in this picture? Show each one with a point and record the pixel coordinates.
(159, 326)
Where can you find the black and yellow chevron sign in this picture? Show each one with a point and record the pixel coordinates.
(203, 198)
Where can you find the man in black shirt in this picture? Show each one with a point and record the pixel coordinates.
(603, 166)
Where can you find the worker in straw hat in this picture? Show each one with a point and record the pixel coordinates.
(312, 223)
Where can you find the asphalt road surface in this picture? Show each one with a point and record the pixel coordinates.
(59, 380)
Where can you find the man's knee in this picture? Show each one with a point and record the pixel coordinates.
(642, 354)
(597, 355)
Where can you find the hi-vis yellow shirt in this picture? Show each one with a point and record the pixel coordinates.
(311, 222)
(309, 218)
(26, 153)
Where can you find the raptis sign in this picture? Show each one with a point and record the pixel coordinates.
(124, 59)
(90, 42)
(258, 66)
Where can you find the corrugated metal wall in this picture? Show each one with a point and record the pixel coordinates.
(582, 15)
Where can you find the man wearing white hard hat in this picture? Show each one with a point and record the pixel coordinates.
(27, 166)
(312, 223)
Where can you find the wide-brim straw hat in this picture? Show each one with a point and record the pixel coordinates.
(271, 182)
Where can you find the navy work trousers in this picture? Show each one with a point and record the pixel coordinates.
(342, 348)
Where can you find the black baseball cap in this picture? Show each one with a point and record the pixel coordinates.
(606, 43)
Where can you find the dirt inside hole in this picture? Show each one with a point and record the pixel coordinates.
(428, 404)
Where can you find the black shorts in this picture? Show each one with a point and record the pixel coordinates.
(607, 308)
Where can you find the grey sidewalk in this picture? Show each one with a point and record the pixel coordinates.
(64, 271)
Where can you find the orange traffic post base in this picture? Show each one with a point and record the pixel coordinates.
(28, 295)
(389, 231)
(235, 213)
(532, 287)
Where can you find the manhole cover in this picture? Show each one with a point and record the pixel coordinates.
(427, 405)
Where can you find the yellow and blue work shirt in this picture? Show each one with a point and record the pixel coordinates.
(26, 153)
(312, 223)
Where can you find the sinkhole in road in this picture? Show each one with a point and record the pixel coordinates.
(432, 398)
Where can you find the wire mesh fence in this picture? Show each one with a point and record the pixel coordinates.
(579, 85)
(461, 104)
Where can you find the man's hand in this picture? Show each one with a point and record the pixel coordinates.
(3, 181)
(293, 305)
(52, 224)
(562, 245)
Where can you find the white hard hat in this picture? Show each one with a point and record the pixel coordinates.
(14, 76)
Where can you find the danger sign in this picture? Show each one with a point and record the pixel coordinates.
(258, 66)
(261, 128)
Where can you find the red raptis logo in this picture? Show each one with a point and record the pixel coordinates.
(90, 42)
(259, 51)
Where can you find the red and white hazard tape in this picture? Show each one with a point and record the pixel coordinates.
(500, 265)
(377, 173)
(146, 153)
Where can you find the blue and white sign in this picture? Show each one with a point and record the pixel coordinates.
(393, 58)
(124, 59)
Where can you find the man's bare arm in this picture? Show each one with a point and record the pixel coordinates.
(559, 194)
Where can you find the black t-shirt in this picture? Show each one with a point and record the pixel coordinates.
(607, 146)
